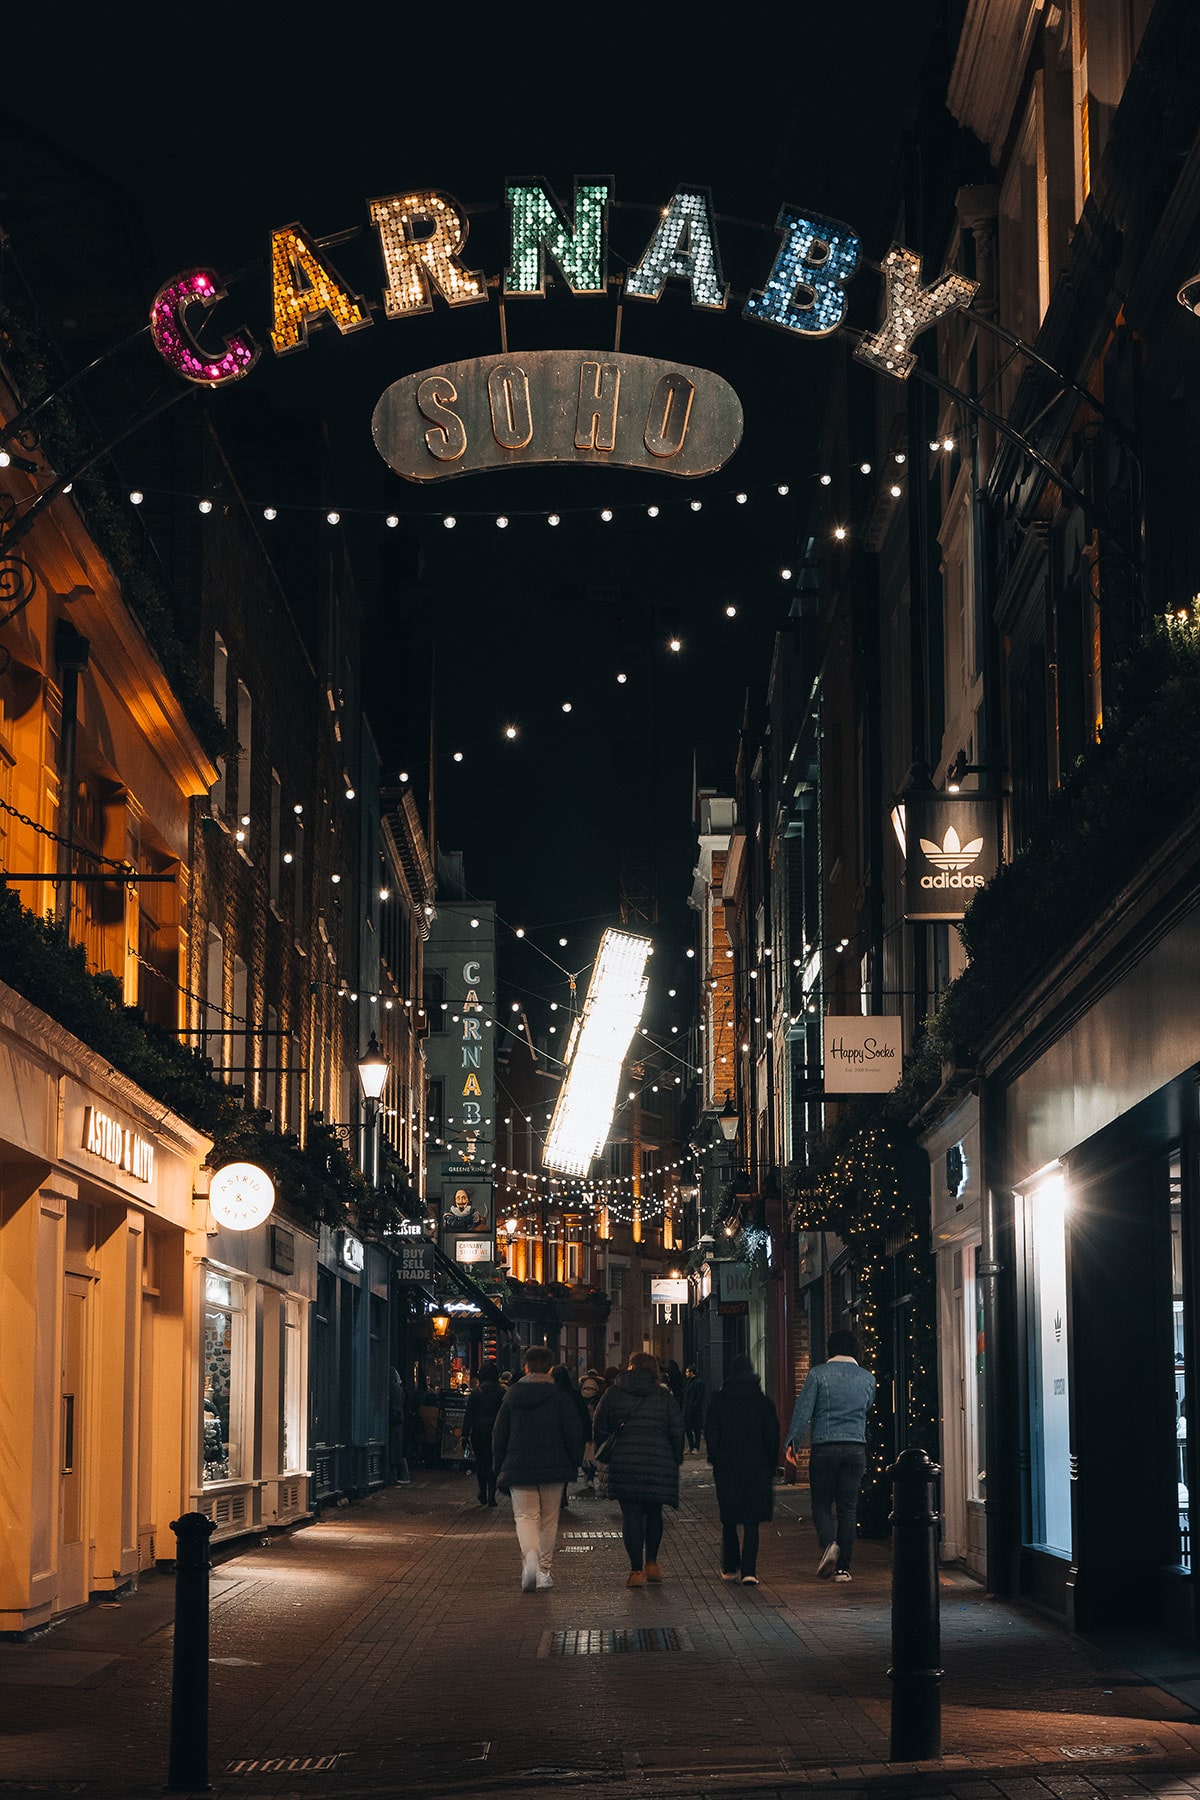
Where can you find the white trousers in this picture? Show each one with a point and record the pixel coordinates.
(535, 1510)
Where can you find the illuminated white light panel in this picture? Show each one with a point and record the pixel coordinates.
(596, 1054)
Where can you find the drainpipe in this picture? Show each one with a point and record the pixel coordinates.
(71, 656)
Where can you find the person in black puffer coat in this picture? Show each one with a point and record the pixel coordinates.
(479, 1421)
(646, 1427)
(741, 1432)
(537, 1445)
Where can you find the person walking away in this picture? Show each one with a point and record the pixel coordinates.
(643, 1426)
(741, 1433)
(561, 1376)
(695, 1393)
(537, 1444)
(832, 1411)
(674, 1380)
(397, 1408)
(479, 1421)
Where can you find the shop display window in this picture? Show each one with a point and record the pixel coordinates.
(291, 1380)
(1049, 1397)
(224, 1354)
(974, 1365)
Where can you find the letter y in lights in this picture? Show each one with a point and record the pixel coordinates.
(908, 309)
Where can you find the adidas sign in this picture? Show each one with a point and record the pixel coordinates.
(952, 859)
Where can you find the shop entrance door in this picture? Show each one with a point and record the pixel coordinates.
(74, 1574)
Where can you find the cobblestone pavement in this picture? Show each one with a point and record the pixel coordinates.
(389, 1650)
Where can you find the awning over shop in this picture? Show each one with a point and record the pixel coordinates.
(470, 1289)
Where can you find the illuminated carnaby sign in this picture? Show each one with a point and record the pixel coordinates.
(555, 406)
(421, 236)
(117, 1144)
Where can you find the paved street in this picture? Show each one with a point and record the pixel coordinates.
(389, 1650)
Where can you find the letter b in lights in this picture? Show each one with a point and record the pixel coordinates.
(805, 290)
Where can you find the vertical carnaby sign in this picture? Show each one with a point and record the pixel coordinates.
(952, 848)
(461, 1059)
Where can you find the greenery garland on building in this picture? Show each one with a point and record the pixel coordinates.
(318, 1181)
(873, 1191)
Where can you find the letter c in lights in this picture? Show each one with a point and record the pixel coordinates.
(241, 1196)
(471, 974)
(175, 343)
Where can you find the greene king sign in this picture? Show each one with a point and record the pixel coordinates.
(951, 851)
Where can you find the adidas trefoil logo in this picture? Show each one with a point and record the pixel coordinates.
(951, 857)
(950, 853)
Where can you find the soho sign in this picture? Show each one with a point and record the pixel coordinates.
(422, 238)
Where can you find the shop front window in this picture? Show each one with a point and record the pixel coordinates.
(291, 1375)
(223, 1357)
(1178, 1340)
(1049, 1397)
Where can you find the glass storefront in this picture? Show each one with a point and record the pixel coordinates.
(224, 1337)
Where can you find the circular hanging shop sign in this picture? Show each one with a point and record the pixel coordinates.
(241, 1195)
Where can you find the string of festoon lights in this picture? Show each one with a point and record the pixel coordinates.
(212, 503)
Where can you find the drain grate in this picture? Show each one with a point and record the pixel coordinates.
(591, 1534)
(575, 1549)
(283, 1765)
(615, 1643)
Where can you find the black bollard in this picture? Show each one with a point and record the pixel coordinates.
(916, 1673)
(187, 1766)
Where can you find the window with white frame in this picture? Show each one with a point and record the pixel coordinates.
(292, 1447)
(224, 1376)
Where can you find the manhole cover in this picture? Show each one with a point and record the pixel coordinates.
(1097, 1752)
(614, 1643)
(282, 1765)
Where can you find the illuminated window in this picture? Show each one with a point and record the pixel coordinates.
(1045, 1219)
(224, 1376)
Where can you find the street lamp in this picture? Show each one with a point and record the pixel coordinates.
(727, 1118)
(373, 1068)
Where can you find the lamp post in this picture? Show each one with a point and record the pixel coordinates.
(373, 1068)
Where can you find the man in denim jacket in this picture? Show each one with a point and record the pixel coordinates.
(832, 1410)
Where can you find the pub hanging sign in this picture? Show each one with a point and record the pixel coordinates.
(952, 849)
(539, 407)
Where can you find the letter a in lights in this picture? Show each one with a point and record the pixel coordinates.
(611, 1014)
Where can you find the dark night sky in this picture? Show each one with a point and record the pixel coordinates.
(226, 130)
